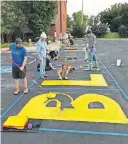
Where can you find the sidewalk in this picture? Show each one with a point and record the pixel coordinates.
(52, 46)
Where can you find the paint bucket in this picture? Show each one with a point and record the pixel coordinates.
(29, 125)
(118, 63)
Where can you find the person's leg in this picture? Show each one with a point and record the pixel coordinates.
(16, 87)
(66, 75)
(16, 79)
(44, 65)
(95, 61)
(86, 55)
(41, 69)
(59, 75)
(22, 75)
(90, 60)
(25, 85)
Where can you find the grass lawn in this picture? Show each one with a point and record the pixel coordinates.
(6, 45)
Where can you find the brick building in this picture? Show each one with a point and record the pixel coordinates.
(59, 23)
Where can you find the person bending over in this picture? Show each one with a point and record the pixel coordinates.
(48, 66)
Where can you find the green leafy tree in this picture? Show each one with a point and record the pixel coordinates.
(39, 14)
(69, 21)
(115, 16)
(77, 20)
(123, 31)
(99, 30)
(11, 18)
(91, 21)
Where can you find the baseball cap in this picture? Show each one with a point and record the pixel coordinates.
(18, 41)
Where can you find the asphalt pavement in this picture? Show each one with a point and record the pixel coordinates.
(72, 132)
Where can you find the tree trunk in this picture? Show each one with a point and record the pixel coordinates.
(2, 37)
(10, 36)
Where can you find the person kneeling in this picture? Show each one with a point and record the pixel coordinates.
(63, 72)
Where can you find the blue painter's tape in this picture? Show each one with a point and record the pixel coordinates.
(7, 110)
(124, 94)
(84, 132)
(6, 69)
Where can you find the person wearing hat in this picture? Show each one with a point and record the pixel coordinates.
(42, 52)
(91, 49)
(19, 56)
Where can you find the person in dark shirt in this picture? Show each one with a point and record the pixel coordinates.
(48, 66)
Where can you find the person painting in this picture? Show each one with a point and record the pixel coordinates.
(91, 49)
(63, 72)
(54, 54)
(19, 57)
(41, 52)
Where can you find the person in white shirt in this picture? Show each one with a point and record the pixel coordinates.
(42, 52)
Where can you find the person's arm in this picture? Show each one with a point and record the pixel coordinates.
(51, 66)
(38, 49)
(95, 41)
(59, 72)
(25, 60)
(5, 49)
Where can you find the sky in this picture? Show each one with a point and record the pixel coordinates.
(91, 7)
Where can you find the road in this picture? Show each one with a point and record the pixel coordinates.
(57, 130)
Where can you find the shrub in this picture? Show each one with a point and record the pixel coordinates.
(5, 45)
(99, 30)
(123, 31)
(78, 32)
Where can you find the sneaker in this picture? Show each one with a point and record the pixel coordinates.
(53, 68)
(60, 78)
(95, 67)
(66, 78)
(45, 76)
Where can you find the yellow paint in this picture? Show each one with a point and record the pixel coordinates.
(96, 80)
(37, 108)
(17, 122)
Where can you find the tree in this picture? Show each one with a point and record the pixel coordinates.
(123, 31)
(78, 32)
(91, 21)
(115, 16)
(77, 25)
(115, 24)
(77, 20)
(39, 14)
(69, 22)
(99, 30)
(11, 18)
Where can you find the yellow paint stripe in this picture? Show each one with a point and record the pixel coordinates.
(96, 80)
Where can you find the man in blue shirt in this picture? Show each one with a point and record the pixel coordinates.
(42, 52)
(19, 56)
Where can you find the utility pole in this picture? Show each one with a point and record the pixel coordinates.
(82, 13)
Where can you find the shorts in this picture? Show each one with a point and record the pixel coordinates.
(17, 73)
